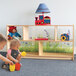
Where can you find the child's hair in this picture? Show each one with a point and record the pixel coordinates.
(2, 38)
(14, 43)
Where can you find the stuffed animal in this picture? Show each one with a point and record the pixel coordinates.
(13, 33)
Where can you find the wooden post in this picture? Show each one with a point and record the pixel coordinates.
(7, 30)
(73, 42)
(40, 48)
(55, 33)
(8, 46)
(25, 33)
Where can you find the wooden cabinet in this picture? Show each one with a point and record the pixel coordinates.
(41, 54)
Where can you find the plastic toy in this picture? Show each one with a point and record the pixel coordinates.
(64, 37)
(23, 53)
(13, 33)
(41, 39)
(17, 66)
(47, 33)
(42, 20)
(12, 68)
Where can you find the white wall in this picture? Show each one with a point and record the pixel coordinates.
(23, 12)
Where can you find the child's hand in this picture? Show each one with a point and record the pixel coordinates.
(8, 61)
(11, 63)
(16, 61)
(5, 59)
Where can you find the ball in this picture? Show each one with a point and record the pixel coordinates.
(23, 53)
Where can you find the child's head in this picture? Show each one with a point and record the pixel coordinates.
(14, 44)
(2, 41)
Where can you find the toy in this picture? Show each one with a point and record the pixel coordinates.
(64, 37)
(23, 53)
(42, 20)
(42, 8)
(46, 33)
(17, 66)
(13, 33)
(41, 39)
(12, 68)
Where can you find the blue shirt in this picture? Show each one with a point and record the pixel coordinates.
(14, 34)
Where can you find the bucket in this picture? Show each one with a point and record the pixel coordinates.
(12, 68)
(17, 66)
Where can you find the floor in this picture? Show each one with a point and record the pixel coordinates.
(33, 67)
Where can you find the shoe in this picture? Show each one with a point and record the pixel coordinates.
(4, 66)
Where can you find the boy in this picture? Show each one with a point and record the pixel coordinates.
(13, 53)
(3, 42)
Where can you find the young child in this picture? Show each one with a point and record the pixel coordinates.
(3, 42)
(13, 53)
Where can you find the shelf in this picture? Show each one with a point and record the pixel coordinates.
(38, 40)
(61, 56)
(64, 41)
(21, 25)
(45, 40)
(39, 25)
(41, 54)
